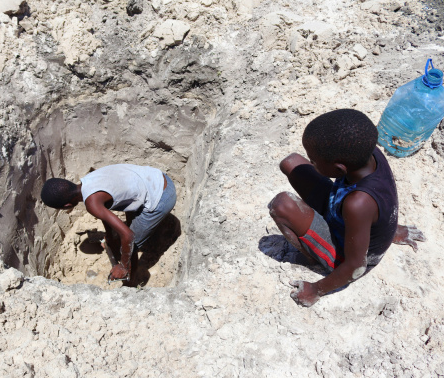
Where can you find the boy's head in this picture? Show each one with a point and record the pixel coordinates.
(344, 136)
(59, 193)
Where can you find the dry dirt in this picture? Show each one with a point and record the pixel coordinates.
(216, 94)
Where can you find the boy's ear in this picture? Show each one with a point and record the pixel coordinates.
(341, 169)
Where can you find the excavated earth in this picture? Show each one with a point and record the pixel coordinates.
(215, 94)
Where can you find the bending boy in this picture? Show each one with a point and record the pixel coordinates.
(346, 226)
(145, 194)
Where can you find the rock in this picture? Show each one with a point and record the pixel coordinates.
(376, 6)
(171, 32)
(134, 7)
(273, 29)
(360, 51)
(209, 303)
(216, 318)
(10, 279)
(344, 64)
(320, 30)
(193, 11)
(283, 104)
(309, 82)
(245, 7)
(295, 42)
(394, 5)
(27, 25)
(4, 18)
(74, 37)
(272, 19)
(156, 4)
(10, 6)
(440, 369)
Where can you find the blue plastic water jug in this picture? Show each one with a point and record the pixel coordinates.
(412, 113)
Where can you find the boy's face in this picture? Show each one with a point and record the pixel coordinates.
(325, 168)
(69, 206)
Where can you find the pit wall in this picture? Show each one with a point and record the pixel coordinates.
(129, 101)
(70, 140)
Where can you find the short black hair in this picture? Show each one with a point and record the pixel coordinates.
(57, 192)
(344, 136)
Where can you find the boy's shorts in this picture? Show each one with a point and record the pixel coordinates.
(318, 242)
(146, 221)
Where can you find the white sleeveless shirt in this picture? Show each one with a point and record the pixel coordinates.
(131, 186)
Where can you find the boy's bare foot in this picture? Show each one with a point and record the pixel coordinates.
(408, 235)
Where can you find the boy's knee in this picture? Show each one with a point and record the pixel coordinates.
(282, 204)
(290, 162)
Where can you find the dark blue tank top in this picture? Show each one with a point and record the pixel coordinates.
(381, 186)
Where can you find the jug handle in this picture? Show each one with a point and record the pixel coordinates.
(429, 61)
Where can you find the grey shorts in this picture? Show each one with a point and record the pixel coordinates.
(146, 221)
(318, 242)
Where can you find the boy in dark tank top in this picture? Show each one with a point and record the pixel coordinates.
(346, 225)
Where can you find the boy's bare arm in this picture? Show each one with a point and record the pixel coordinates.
(359, 212)
(95, 206)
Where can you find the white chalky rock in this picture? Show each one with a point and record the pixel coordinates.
(10, 279)
(10, 5)
(360, 51)
(321, 29)
(156, 4)
(245, 7)
(345, 63)
(171, 32)
(376, 6)
(294, 42)
(209, 303)
(4, 18)
(193, 12)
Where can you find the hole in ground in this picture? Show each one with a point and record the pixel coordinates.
(74, 140)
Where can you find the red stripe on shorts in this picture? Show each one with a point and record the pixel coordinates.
(324, 244)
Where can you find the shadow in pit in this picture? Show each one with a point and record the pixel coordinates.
(279, 249)
(164, 236)
(91, 245)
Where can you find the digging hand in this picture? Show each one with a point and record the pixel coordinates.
(119, 273)
(304, 293)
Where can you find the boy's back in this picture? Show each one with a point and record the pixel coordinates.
(380, 185)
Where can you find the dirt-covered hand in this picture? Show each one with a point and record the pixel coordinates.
(408, 235)
(304, 293)
(118, 272)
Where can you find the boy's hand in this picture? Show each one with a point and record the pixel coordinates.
(304, 293)
(408, 235)
(118, 272)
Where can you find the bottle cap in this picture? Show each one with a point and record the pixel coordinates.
(433, 77)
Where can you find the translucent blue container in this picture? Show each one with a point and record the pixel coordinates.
(412, 113)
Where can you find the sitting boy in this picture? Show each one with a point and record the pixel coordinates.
(346, 226)
(145, 194)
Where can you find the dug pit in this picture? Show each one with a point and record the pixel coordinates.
(72, 140)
